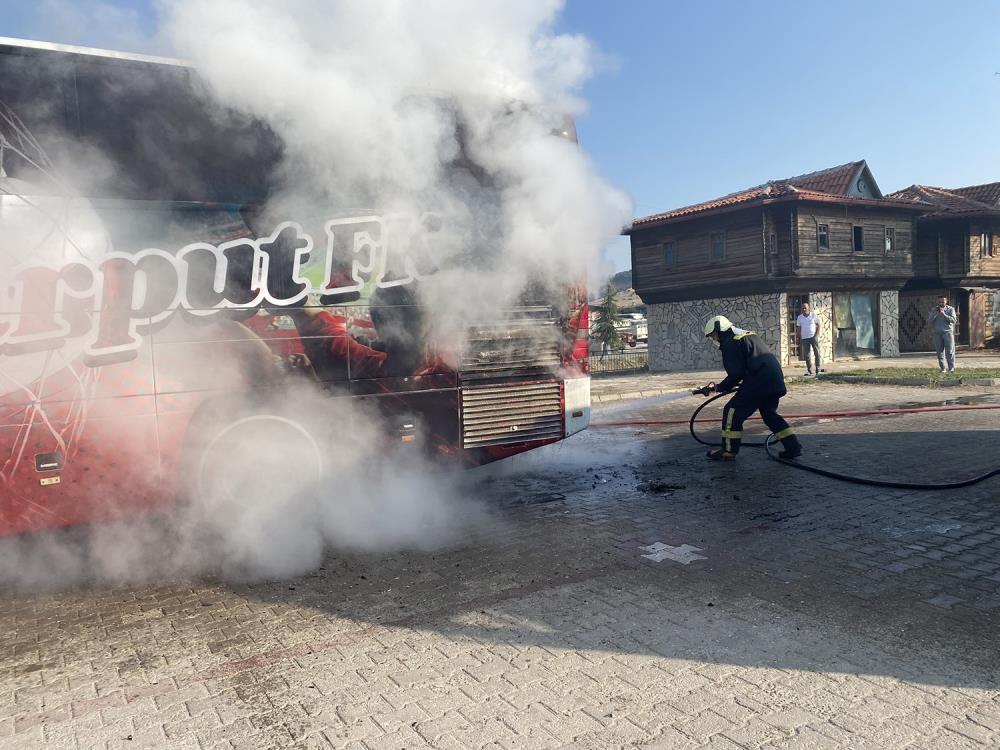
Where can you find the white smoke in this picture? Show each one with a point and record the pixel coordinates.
(383, 106)
(266, 498)
(375, 102)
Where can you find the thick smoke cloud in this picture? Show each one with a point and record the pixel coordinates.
(383, 103)
(277, 503)
(443, 108)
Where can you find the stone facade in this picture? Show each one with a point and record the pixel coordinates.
(888, 307)
(676, 329)
(782, 350)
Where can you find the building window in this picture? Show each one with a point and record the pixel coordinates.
(986, 248)
(823, 237)
(718, 245)
(890, 239)
(859, 239)
(670, 254)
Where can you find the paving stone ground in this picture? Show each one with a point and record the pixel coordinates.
(626, 593)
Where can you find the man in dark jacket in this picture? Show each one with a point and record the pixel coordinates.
(751, 366)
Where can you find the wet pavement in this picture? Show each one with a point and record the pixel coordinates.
(626, 593)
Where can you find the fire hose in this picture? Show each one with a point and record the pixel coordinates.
(767, 444)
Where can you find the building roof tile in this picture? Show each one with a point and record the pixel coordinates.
(826, 185)
(988, 193)
(835, 180)
(948, 202)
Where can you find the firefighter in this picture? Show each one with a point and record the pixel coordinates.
(751, 366)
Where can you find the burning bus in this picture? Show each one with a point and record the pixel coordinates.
(151, 309)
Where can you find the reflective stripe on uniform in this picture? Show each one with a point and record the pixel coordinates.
(732, 434)
(726, 431)
(787, 432)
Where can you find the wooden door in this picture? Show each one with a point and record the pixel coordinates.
(959, 299)
(795, 302)
(977, 320)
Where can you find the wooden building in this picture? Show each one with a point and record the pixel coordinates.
(956, 253)
(827, 237)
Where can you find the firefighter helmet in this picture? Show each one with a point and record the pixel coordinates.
(718, 324)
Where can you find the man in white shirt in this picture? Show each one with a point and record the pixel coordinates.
(808, 323)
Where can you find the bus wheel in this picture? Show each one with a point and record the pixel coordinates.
(253, 493)
(257, 453)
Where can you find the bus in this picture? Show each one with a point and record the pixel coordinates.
(149, 314)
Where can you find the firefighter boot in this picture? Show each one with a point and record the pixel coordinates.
(730, 446)
(718, 454)
(790, 443)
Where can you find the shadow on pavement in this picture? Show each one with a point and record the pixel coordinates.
(800, 573)
(764, 567)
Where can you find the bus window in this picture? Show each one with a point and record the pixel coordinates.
(164, 141)
(34, 96)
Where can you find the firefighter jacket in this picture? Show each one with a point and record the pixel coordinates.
(750, 365)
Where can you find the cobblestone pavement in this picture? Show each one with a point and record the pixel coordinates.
(627, 594)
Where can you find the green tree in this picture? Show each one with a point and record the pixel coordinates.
(605, 317)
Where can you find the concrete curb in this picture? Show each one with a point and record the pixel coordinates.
(605, 398)
(631, 395)
(609, 397)
(878, 380)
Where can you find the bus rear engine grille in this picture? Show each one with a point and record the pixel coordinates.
(507, 414)
(491, 358)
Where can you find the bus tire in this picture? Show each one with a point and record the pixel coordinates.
(232, 447)
(252, 485)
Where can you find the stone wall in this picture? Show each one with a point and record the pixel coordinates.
(677, 329)
(888, 307)
(782, 353)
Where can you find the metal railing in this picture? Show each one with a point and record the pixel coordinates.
(620, 360)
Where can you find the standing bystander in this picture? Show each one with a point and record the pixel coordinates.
(942, 319)
(809, 326)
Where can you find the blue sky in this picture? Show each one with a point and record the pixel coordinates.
(699, 99)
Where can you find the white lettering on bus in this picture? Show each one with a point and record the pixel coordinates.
(114, 302)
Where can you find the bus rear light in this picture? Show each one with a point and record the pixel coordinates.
(580, 353)
(583, 327)
(581, 344)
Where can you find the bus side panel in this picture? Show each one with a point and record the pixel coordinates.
(109, 469)
(77, 441)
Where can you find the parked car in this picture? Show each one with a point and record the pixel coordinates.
(632, 328)
(638, 327)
